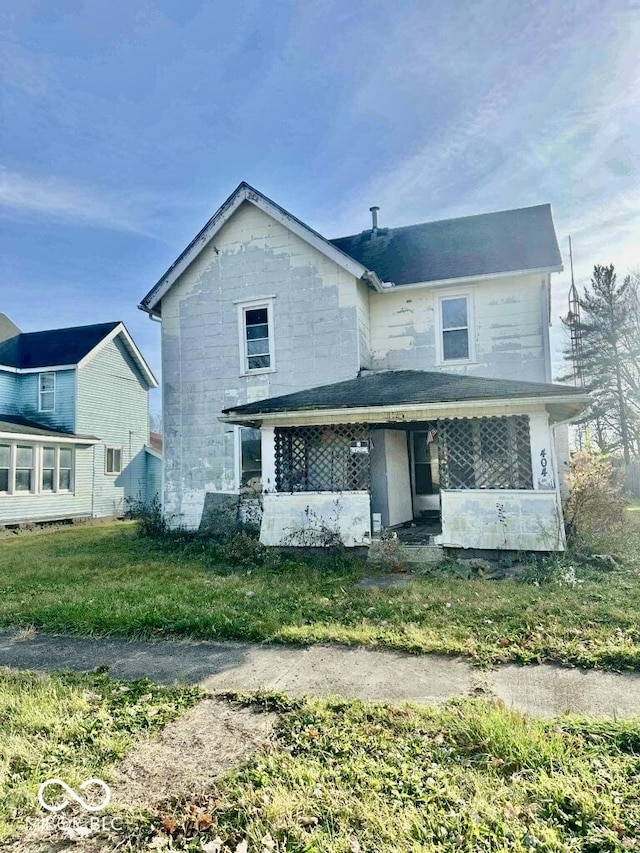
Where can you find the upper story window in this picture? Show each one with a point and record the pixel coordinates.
(46, 392)
(455, 328)
(256, 336)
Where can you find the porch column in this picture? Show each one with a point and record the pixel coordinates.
(543, 461)
(268, 450)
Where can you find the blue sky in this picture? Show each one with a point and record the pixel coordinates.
(126, 123)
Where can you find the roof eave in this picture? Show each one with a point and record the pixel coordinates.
(137, 356)
(471, 279)
(574, 402)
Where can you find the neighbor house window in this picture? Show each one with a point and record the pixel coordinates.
(48, 469)
(35, 469)
(454, 322)
(24, 469)
(251, 459)
(65, 469)
(256, 337)
(57, 469)
(113, 460)
(46, 392)
(5, 467)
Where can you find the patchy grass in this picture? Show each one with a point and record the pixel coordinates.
(73, 727)
(345, 777)
(107, 581)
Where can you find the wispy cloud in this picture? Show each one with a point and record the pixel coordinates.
(50, 197)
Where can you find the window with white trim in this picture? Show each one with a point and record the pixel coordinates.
(256, 337)
(57, 469)
(113, 460)
(65, 469)
(46, 392)
(5, 467)
(48, 479)
(36, 469)
(24, 468)
(454, 328)
(250, 459)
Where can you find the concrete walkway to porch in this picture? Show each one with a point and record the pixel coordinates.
(329, 671)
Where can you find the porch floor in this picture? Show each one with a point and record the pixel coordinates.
(419, 532)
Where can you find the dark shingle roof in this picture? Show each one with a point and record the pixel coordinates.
(22, 426)
(507, 241)
(53, 347)
(398, 387)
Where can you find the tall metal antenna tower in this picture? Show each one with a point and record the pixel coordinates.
(575, 328)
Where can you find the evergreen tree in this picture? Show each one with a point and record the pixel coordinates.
(608, 360)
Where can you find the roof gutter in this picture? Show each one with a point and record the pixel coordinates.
(470, 279)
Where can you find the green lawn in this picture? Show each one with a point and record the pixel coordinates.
(73, 727)
(108, 581)
(347, 777)
(339, 777)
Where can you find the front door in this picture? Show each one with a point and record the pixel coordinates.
(425, 474)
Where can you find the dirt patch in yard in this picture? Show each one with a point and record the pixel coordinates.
(188, 755)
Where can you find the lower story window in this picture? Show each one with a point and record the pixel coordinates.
(113, 460)
(5, 466)
(65, 470)
(48, 469)
(24, 469)
(250, 459)
(35, 469)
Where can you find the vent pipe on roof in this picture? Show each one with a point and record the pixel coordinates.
(374, 218)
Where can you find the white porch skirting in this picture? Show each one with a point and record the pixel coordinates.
(312, 518)
(507, 520)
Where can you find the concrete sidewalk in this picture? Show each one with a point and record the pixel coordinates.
(329, 671)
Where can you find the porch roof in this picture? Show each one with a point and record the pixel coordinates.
(14, 426)
(410, 388)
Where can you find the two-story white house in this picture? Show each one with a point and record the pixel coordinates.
(74, 424)
(389, 377)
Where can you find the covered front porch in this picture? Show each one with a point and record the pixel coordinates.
(480, 468)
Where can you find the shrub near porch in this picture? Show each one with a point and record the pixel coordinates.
(109, 581)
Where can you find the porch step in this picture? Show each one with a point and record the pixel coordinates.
(393, 552)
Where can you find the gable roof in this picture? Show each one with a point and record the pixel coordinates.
(246, 193)
(467, 247)
(75, 345)
(405, 387)
(52, 347)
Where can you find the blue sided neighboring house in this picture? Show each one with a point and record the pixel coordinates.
(74, 424)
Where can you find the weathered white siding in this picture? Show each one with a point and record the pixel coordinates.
(502, 520)
(315, 318)
(312, 518)
(509, 329)
(113, 405)
(25, 507)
